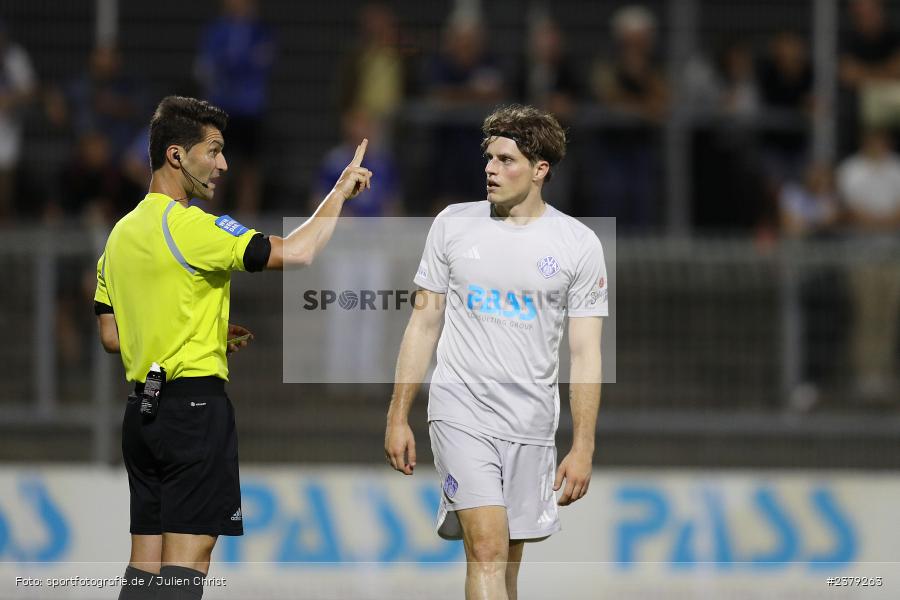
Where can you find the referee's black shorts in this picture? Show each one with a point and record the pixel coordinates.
(183, 464)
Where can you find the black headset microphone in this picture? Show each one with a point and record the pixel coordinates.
(188, 173)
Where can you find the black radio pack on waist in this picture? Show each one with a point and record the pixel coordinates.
(156, 380)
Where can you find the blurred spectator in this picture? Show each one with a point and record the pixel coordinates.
(547, 77)
(810, 207)
(869, 186)
(104, 100)
(135, 164)
(17, 85)
(92, 186)
(633, 81)
(465, 77)
(786, 73)
(375, 77)
(384, 198)
(740, 92)
(624, 183)
(727, 84)
(234, 62)
(94, 193)
(869, 65)
(786, 89)
(807, 209)
(464, 72)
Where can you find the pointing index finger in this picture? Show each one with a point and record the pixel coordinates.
(360, 152)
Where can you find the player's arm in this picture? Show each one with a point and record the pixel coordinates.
(416, 349)
(584, 398)
(302, 245)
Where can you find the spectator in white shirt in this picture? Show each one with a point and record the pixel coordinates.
(869, 186)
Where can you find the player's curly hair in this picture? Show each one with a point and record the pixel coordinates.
(179, 120)
(538, 134)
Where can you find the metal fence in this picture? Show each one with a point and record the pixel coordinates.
(717, 339)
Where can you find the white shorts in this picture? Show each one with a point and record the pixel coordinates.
(480, 470)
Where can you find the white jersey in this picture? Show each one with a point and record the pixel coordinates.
(509, 289)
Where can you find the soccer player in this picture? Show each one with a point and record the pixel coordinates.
(498, 279)
(163, 294)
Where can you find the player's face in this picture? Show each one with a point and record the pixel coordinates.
(206, 162)
(509, 173)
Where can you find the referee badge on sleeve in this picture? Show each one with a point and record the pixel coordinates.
(229, 225)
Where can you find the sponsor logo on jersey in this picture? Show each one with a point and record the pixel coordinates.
(548, 267)
(600, 293)
(506, 304)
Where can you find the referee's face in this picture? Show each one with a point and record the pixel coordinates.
(205, 161)
(509, 173)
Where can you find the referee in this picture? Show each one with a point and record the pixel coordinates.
(162, 302)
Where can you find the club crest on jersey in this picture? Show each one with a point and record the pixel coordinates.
(450, 486)
(548, 267)
(226, 223)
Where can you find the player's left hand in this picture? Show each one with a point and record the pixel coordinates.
(236, 331)
(575, 469)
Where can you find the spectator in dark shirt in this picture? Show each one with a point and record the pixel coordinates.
(869, 62)
(463, 77)
(234, 62)
(547, 77)
(464, 72)
(871, 52)
(104, 100)
(625, 181)
(786, 86)
(92, 186)
(786, 73)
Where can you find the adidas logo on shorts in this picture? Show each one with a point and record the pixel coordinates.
(237, 516)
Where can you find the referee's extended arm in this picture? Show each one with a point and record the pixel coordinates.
(302, 245)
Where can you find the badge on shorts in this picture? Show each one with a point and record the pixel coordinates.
(229, 225)
(450, 486)
(548, 267)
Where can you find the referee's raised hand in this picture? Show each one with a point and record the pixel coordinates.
(355, 177)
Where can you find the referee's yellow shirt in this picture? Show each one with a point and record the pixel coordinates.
(166, 273)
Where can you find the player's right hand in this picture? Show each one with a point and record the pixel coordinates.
(400, 447)
(355, 177)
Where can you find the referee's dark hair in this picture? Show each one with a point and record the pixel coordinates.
(180, 120)
(538, 134)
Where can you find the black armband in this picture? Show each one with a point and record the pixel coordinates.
(102, 309)
(256, 255)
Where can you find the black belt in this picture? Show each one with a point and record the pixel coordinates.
(190, 386)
